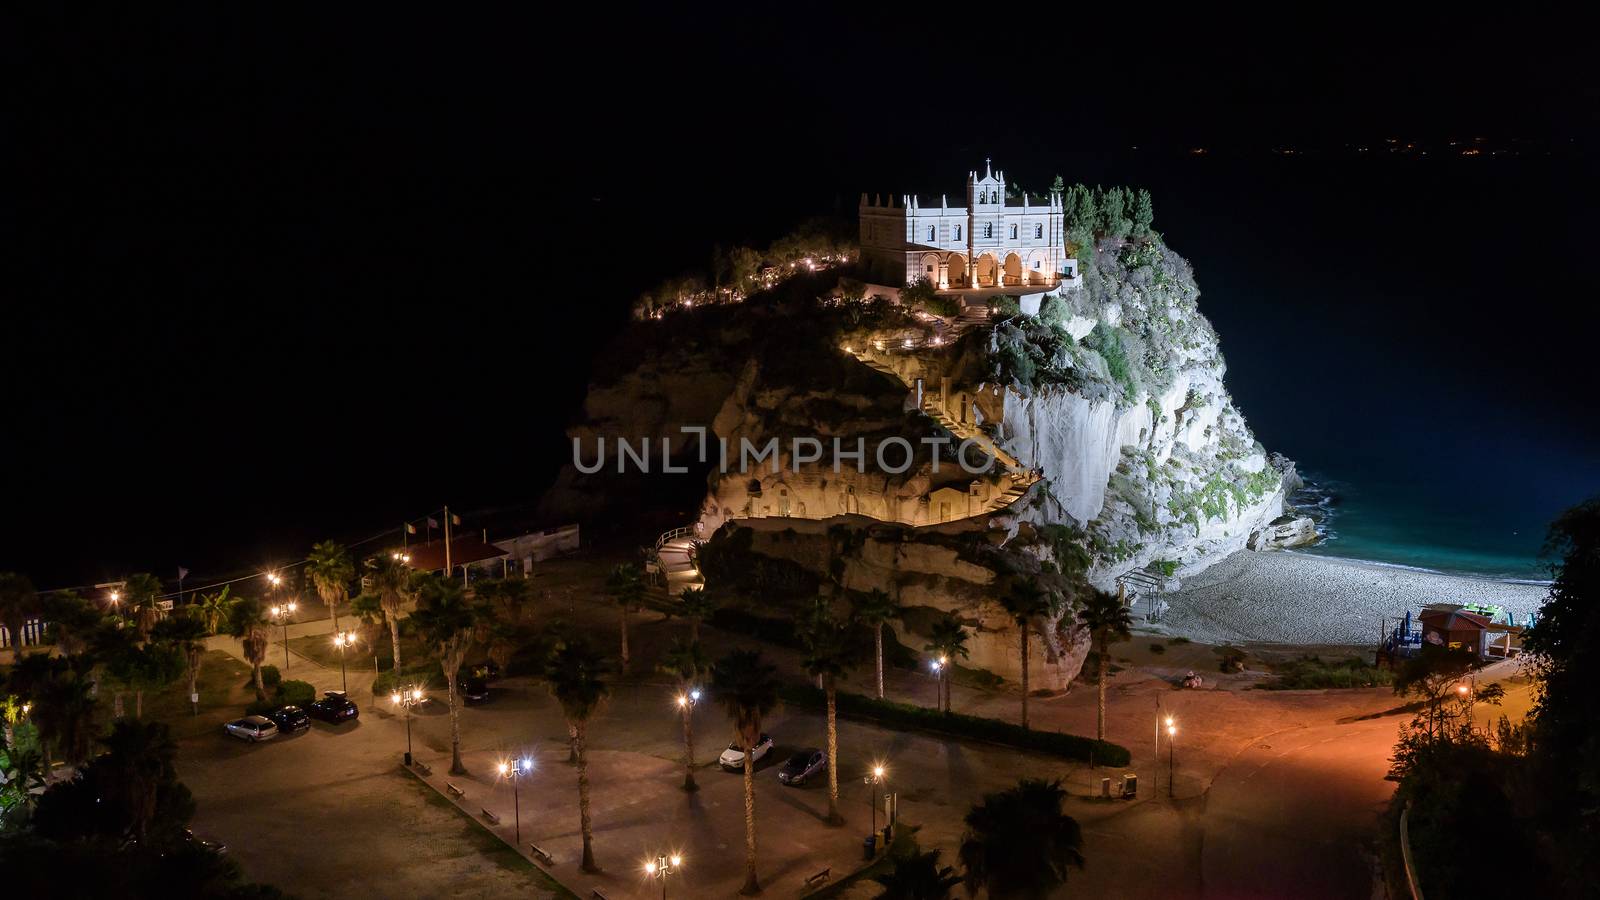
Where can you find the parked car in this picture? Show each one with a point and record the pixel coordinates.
(802, 765)
(474, 689)
(732, 758)
(290, 719)
(252, 728)
(334, 707)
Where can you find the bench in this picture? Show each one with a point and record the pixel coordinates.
(454, 791)
(422, 767)
(539, 854)
(820, 878)
(493, 819)
(596, 895)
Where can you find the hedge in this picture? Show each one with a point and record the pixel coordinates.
(905, 715)
(284, 693)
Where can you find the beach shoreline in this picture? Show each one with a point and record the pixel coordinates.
(1284, 597)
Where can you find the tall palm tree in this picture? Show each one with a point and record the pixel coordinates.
(448, 621)
(212, 608)
(1019, 843)
(697, 605)
(947, 638)
(139, 759)
(368, 610)
(918, 876)
(391, 581)
(827, 656)
(247, 621)
(576, 673)
(19, 602)
(1025, 601)
(187, 636)
(874, 609)
(331, 571)
(626, 586)
(72, 619)
(140, 594)
(747, 688)
(686, 663)
(1107, 620)
(64, 708)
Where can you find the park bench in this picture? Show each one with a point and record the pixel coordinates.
(820, 877)
(491, 817)
(454, 791)
(596, 895)
(422, 767)
(539, 854)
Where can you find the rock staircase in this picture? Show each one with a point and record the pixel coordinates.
(676, 552)
(1138, 589)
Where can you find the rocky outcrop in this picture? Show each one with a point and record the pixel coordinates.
(1284, 532)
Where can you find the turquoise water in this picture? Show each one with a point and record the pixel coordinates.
(1425, 527)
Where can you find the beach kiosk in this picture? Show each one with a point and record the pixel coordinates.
(1451, 627)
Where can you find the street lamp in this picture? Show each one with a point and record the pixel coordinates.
(876, 777)
(281, 614)
(405, 698)
(342, 640)
(1172, 752)
(662, 866)
(514, 770)
(938, 666)
(686, 704)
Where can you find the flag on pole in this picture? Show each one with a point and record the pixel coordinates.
(455, 519)
(410, 528)
(182, 573)
(432, 522)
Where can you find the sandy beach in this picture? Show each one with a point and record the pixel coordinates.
(1286, 597)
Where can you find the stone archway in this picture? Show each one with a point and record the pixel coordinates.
(930, 268)
(988, 271)
(958, 270)
(1013, 269)
(1038, 271)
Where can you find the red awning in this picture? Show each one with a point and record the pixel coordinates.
(429, 557)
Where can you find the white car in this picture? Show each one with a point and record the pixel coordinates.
(732, 758)
(252, 728)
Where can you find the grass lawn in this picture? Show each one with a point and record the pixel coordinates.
(358, 658)
(1311, 672)
(494, 849)
(223, 696)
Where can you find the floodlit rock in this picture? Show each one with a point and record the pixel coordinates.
(1284, 531)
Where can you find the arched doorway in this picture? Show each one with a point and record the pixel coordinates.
(930, 268)
(1038, 270)
(1013, 269)
(958, 270)
(988, 271)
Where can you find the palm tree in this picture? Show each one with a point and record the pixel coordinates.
(73, 621)
(918, 876)
(948, 640)
(142, 592)
(391, 581)
(698, 605)
(687, 663)
(64, 708)
(213, 608)
(626, 586)
(143, 667)
(1107, 620)
(138, 760)
(448, 621)
(18, 604)
(576, 674)
(331, 570)
(247, 621)
(24, 766)
(1018, 842)
(1025, 600)
(826, 658)
(186, 635)
(368, 610)
(874, 609)
(747, 688)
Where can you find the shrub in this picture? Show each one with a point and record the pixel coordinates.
(904, 715)
(1005, 306)
(1158, 648)
(1311, 672)
(296, 693)
(1232, 659)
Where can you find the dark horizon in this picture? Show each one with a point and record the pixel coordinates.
(291, 283)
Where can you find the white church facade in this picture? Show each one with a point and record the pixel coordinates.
(991, 242)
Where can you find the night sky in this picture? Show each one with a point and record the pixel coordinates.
(286, 278)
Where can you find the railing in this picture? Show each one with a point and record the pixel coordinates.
(677, 533)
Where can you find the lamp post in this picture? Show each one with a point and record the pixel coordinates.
(662, 866)
(342, 640)
(872, 779)
(1172, 752)
(937, 666)
(686, 704)
(281, 614)
(405, 698)
(514, 770)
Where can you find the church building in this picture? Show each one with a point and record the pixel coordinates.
(990, 242)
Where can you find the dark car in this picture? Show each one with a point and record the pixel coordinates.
(488, 671)
(802, 766)
(290, 719)
(474, 689)
(334, 707)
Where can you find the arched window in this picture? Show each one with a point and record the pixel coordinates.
(988, 230)
(958, 233)
(994, 196)
(932, 230)
(1038, 232)
(1013, 232)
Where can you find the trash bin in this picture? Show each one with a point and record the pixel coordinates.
(408, 757)
(869, 847)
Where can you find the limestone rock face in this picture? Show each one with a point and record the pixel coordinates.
(1284, 531)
